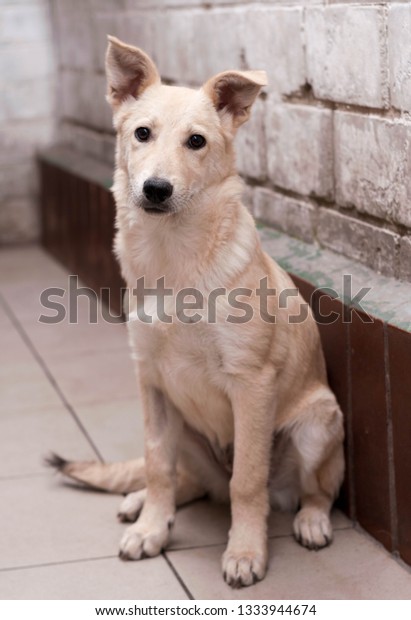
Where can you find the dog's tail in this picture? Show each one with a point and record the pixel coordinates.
(112, 477)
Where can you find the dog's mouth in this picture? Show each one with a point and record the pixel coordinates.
(156, 209)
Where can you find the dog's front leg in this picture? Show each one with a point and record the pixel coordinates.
(162, 425)
(245, 559)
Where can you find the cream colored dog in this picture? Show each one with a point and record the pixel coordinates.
(239, 410)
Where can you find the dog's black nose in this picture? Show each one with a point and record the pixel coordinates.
(157, 190)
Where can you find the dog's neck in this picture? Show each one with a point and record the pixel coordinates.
(207, 245)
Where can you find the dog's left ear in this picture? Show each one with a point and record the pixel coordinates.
(234, 92)
(129, 72)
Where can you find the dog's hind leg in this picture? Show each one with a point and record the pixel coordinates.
(188, 489)
(198, 474)
(318, 440)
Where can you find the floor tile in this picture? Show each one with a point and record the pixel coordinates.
(66, 338)
(24, 385)
(44, 520)
(93, 377)
(353, 567)
(116, 428)
(13, 348)
(23, 264)
(205, 523)
(102, 579)
(28, 435)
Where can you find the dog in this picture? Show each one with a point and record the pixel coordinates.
(237, 410)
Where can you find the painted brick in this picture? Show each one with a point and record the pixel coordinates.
(19, 220)
(300, 149)
(399, 28)
(122, 26)
(24, 24)
(20, 140)
(194, 45)
(28, 99)
(405, 259)
(267, 38)
(250, 144)
(74, 24)
(346, 54)
(18, 180)
(295, 217)
(94, 143)
(17, 61)
(364, 242)
(373, 165)
(82, 98)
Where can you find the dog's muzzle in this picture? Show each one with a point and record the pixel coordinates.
(157, 191)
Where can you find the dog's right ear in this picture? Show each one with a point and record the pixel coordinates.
(129, 72)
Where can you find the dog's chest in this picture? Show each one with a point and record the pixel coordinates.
(184, 363)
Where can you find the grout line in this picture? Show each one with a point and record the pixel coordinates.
(390, 445)
(48, 374)
(63, 563)
(21, 476)
(177, 576)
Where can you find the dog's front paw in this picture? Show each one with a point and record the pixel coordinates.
(243, 568)
(312, 528)
(131, 506)
(138, 542)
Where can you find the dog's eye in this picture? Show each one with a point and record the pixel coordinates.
(142, 134)
(196, 141)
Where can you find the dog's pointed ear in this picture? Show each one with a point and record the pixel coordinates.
(129, 72)
(235, 92)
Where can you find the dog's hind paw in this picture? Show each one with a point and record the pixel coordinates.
(312, 528)
(131, 506)
(243, 569)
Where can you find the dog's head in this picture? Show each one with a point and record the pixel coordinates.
(174, 142)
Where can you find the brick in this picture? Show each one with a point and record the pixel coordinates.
(98, 145)
(295, 217)
(26, 61)
(28, 99)
(405, 259)
(267, 45)
(19, 220)
(300, 154)
(370, 245)
(20, 140)
(346, 55)
(250, 144)
(126, 27)
(24, 23)
(373, 165)
(74, 25)
(194, 45)
(399, 28)
(18, 180)
(82, 98)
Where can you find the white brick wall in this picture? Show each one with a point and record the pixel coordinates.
(300, 157)
(27, 106)
(399, 33)
(327, 151)
(346, 54)
(373, 166)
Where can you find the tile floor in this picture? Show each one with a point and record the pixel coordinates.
(71, 389)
